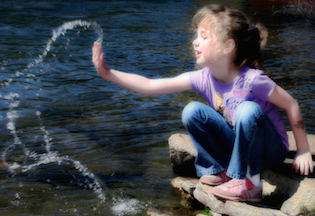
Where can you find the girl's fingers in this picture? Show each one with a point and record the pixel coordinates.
(311, 166)
(303, 163)
(302, 168)
(297, 169)
(306, 167)
(97, 51)
(294, 166)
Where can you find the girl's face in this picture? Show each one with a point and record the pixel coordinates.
(207, 47)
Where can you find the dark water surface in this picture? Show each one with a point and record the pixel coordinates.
(72, 143)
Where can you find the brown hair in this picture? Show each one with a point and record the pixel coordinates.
(230, 23)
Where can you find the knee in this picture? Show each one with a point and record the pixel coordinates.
(247, 110)
(190, 111)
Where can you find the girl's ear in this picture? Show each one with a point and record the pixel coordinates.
(229, 46)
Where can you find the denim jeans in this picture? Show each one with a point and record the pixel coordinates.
(253, 142)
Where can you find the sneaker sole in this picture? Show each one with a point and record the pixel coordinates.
(211, 184)
(238, 199)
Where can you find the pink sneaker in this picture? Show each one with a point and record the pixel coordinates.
(239, 190)
(216, 179)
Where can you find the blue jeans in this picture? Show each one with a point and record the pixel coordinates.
(253, 142)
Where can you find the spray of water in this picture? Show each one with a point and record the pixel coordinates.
(120, 206)
(62, 31)
(49, 156)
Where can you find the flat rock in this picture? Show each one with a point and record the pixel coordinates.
(203, 194)
(171, 211)
(284, 191)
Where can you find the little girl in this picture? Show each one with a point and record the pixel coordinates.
(242, 132)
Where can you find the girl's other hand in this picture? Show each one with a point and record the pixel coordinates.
(303, 162)
(98, 60)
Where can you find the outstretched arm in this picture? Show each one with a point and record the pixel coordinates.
(139, 83)
(303, 158)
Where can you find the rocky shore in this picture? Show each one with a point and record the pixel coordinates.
(285, 193)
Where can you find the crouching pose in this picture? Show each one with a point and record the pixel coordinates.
(241, 132)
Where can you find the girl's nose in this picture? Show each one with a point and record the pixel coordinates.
(195, 42)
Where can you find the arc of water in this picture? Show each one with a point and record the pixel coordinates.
(44, 158)
(56, 33)
(62, 31)
(12, 115)
(49, 156)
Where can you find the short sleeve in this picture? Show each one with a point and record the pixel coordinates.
(197, 80)
(263, 86)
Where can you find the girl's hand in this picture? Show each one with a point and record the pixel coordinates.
(98, 60)
(303, 162)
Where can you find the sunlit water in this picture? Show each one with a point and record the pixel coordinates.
(72, 143)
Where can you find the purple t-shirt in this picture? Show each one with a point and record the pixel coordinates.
(250, 85)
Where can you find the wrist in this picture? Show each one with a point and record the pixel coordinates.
(104, 72)
(303, 150)
(304, 147)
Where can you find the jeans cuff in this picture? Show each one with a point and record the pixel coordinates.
(201, 171)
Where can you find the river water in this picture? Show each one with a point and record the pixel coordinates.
(74, 144)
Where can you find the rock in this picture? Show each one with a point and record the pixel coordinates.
(171, 211)
(302, 199)
(203, 194)
(212, 213)
(186, 186)
(284, 191)
(182, 156)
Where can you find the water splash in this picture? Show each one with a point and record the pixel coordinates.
(45, 158)
(62, 31)
(49, 156)
(130, 206)
(55, 35)
(12, 115)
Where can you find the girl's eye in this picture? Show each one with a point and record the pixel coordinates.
(204, 36)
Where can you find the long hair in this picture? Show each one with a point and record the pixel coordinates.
(229, 23)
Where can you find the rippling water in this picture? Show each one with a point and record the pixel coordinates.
(72, 143)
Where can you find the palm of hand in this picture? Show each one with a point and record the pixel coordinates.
(98, 59)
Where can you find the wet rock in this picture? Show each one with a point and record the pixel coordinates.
(186, 186)
(182, 156)
(284, 191)
(171, 211)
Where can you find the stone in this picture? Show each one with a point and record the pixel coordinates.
(302, 200)
(183, 154)
(203, 194)
(212, 213)
(186, 186)
(284, 191)
(172, 211)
